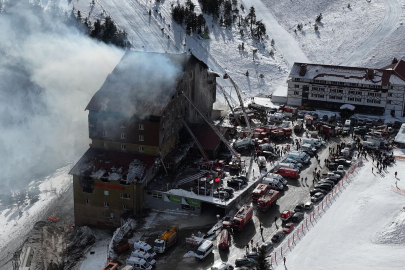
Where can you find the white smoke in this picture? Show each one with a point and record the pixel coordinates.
(48, 73)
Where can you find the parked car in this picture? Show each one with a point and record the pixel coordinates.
(229, 190)
(325, 118)
(324, 186)
(202, 191)
(299, 207)
(297, 217)
(312, 192)
(317, 197)
(278, 237)
(288, 227)
(344, 162)
(221, 266)
(308, 206)
(235, 182)
(329, 182)
(245, 262)
(252, 255)
(340, 170)
(221, 194)
(332, 166)
(315, 116)
(300, 114)
(266, 246)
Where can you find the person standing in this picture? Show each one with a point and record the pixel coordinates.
(396, 174)
(284, 260)
(261, 231)
(372, 169)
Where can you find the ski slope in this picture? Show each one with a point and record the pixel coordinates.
(363, 229)
(289, 47)
(387, 26)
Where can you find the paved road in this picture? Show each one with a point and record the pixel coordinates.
(384, 30)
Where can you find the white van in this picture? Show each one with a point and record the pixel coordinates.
(347, 125)
(312, 141)
(138, 263)
(289, 165)
(204, 249)
(128, 267)
(299, 156)
(307, 147)
(278, 178)
(141, 245)
(144, 255)
(273, 183)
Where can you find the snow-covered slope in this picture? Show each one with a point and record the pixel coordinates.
(363, 229)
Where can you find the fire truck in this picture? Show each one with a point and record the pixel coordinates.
(288, 109)
(242, 217)
(259, 191)
(267, 200)
(281, 134)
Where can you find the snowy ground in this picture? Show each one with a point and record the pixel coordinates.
(363, 229)
(21, 220)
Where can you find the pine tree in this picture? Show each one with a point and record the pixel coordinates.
(251, 17)
(260, 30)
(262, 263)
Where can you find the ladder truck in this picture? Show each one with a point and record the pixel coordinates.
(196, 141)
(236, 160)
(230, 106)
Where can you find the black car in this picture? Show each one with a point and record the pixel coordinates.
(332, 166)
(221, 194)
(273, 110)
(297, 217)
(243, 178)
(310, 153)
(317, 190)
(252, 255)
(324, 186)
(245, 262)
(202, 191)
(315, 116)
(333, 180)
(228, 189)
(235, 182)
(278, 237)
(343, 161)
(341, 173)
(324, 181)
(269, 154)
(325, 118)
(299, 207)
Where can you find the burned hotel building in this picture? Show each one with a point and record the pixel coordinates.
(134, 122)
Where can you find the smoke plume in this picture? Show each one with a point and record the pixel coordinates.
(49, 71)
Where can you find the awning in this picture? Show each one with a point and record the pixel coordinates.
(347, 107)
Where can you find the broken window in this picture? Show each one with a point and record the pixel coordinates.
(123, 146)
(106, 204)
(141, 149)
(141, 138)
(141, 127)
(122, 135)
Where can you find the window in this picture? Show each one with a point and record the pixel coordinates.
(87, 201)
(335, 97)
(124, 207)
(104, 133)
(105, 145)
(357, 99)
(125, 196)
(106, 204)
(296, 93)
(141, 149)
(141, 138)
(317, 96)
(157, 195)
(106, 192)
(111, 216)
(123, 146)
(141, 127)
(388, 101)
(390, 94)
(122, 135)
(296, 86)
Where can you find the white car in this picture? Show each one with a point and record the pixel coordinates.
(308, 206)
(340, 168)
(221, 266)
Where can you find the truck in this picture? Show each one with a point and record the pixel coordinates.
(121, 246)
(242, 144)
(242, 217)
(259, 191)
(281, 134)
(286, 215)
(288, 109)
(267, 200)
(287, 172)
(166, 240)
(298, 126)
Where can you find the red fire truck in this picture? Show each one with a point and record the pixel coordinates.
(242, 217)
(281, 134)
(267, 200)
(288, 109)
(259, 191)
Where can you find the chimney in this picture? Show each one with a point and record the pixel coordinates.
(370, 74)
(303, 69)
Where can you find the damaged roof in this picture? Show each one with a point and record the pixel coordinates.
(142, 83)
(114, 166)
(393, 74)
